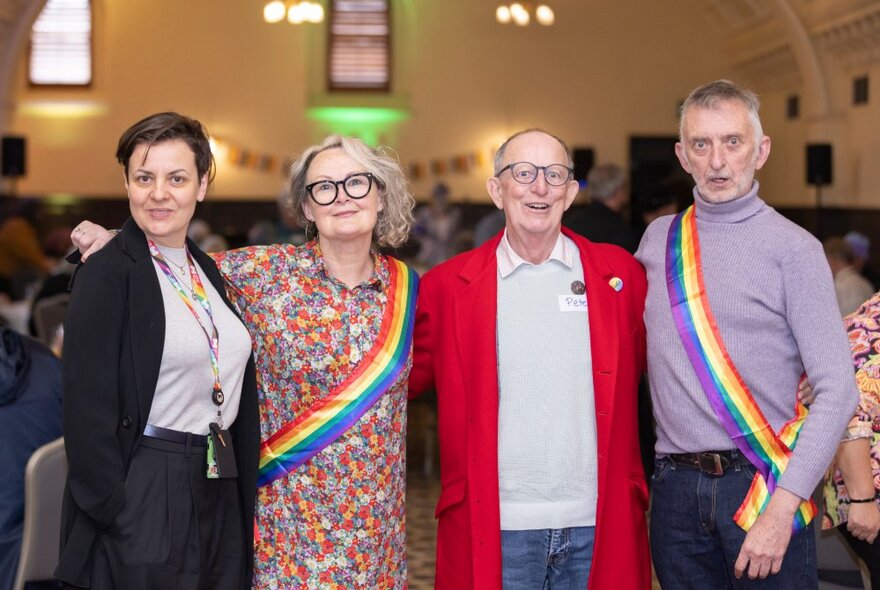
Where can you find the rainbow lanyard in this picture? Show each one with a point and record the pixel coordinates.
(724, 386)
(308, 434)
(200, 295)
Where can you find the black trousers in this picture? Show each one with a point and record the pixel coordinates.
(178, 529)
(867, 552)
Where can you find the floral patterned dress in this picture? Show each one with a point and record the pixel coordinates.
(863, 327)
(338, 520)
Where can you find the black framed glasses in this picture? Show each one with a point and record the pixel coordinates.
(356, 186)
(527, 173)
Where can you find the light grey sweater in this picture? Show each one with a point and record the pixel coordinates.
(547, 470)
(771, 292)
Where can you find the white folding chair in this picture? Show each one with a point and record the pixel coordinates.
(44, 480)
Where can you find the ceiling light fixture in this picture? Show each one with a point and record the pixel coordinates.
(521, 13)
(296, 11)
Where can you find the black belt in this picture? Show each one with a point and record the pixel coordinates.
(196, 440)
(711, 462)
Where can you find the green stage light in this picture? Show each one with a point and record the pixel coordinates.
(358, 115)
(364, 122)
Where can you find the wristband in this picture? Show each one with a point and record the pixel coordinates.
(861, 500)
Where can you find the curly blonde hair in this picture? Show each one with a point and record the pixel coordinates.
(396, 218)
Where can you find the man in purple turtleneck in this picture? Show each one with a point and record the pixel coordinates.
(767, 285)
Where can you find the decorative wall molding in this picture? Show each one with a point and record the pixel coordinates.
(843, 33)
(774, 67)
(736, 15)
(853, 40)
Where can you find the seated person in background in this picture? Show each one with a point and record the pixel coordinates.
(436, 228)
(283, 229)
(56, 245)
(852, 289)
(488, 225)
(861, 247)
(851, 488)
(21, 258)
(30, 416)
(602, 220)
(205, 238)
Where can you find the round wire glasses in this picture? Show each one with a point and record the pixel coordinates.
(527, 173)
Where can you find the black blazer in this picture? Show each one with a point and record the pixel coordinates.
(113, 343)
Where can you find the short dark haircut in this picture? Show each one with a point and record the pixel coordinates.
(169, 126)
(837, 247)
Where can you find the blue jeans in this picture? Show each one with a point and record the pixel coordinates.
(694, 540)
(547, 559)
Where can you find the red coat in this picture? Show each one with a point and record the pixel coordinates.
(454, 350)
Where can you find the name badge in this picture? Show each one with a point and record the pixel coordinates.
(572, 303)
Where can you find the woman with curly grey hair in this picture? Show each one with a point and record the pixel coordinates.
(332, 322)
(332, 325)
(396, 215)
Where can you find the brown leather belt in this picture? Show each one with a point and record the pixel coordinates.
(711, 462)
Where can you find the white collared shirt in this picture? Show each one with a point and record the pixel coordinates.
(509, 261)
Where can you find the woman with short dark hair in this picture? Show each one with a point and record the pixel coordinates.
(161, 423)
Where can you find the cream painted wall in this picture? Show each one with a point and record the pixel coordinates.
(860, 172)
(216, 61)
(783, 176)
(606, 71)
(852, 131)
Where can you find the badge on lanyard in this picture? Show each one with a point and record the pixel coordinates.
(220, 456)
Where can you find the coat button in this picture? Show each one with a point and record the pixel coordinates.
(126, 422)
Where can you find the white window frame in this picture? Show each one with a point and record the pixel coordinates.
(61, 45)
(359, 46)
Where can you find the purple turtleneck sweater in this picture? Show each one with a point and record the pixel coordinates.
(771, 292)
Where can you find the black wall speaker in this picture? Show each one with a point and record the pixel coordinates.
(12, 156)
(584, 159)
(819, 169)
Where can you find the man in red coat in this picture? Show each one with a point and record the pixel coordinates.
(535, 343)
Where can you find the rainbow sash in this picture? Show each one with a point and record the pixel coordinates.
(724, 386)
(308, 434)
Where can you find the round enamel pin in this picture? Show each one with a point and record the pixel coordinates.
(578, 288)
(616, 284)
